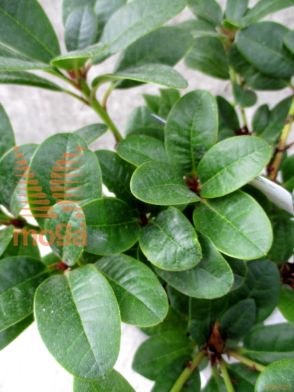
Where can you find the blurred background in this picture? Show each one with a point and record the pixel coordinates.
(26, 364)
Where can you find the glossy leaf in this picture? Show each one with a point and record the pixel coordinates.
(262, 283)
(278, 375)
(112, 226)
(170, 242)
(289, 40)
(24, 243)
(27, 79)
(244, 96)
(191, 129)
(261, 119)
(172, 322)
(240, 270)
(270, 343)
(13, 188)
(166, 45)
(160, 351)
(160, 184)
(228, 119)
(171, 373)
(208, 56)
(232, 163)
(8, 335)
(25, 28)
(208, 10)
(6, 236)
(286, 304)
(283, 244)
(160, 74)
(7, 140)
(235, 9)
(211, 278)
(20, 276)
(262, 44)
(141, 298)
(66, 231)
(77, 316)
(92, 132)
(141, 122)
(64, 169)
(112, 382)
(266, 7)
(240, 227)
(81, 28)
(119, 183)
(138, 149)
(237, 320)
(137, 19)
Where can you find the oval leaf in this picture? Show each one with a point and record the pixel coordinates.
(170, 242)
(66, 231)
(62, 169)
(246, 235)
(78, 316)
(211, 278)
(191, 129)
(279, 375)
(112, 382)
(19, 278)
(112, 226)
(232, 163)
(160, 184)
(141, 298)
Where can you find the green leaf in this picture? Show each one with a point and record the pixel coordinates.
(279, 375)
(160, 184)
(81, 28)
(262, 44)
(23, 244)
(264, 8)
(66, 231)
(287, 168)
(25, 28)
(170, 242)
(8, 335)
(172, 322)
(247, 235)
(19, 278)
(138, 149)
(211, 278)
(92, 132)
(277, 120)
(191, 129)
(208, 10)
(232, 163)
(136, 19)
(112, 226)
(160, 351)
(78, 318)
(6, 236)
(116, 173)
(13, 187)
(240, 270)
(141, 298)
(160, 74)
(286, 304)
(235, 9)
(7, 140)
(244, 378)
(283, 245)
(228, 117)
(239, 319)
(112, 382)
(289, 40)
(244, 96)
(270, 343)
(263, 285)
(208, 56)
(261, 119)
(141, 122)
(27, 79)
(169, 375)
(9, 64)
(166, 45)
(64, 169)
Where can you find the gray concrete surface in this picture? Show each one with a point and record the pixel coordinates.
(36, 114)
